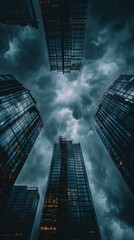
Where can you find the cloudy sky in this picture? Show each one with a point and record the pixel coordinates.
(68, 103)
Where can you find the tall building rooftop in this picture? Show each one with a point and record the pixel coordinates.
(64, 25)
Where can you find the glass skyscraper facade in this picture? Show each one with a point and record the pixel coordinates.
(64, 25)
(115, 125)
(68, 211)
(18, 12)
(19, 214)
(20, 125)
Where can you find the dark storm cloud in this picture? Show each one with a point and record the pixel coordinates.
(20, 53)
(112, 12)
(68, 103)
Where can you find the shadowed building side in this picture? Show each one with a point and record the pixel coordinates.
(19, 214)
(20, 125)
(68, 211)
(115, 125)
(18, 12)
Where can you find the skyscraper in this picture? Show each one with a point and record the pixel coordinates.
(19, 214)
(18, 12)
(115, 125)
(68, 211)
(20, 125)
(64, 25)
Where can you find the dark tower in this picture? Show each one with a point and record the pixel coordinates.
(19, 214)
(115, 125)
(18, 12)
(68, 211)
(64, 25)
(20, 125)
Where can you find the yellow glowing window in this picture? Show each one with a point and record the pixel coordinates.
(48, 228)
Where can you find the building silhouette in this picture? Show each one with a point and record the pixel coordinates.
(68, 211)
(19, 214)
(64, 25)
(20, 125)
(18, 12)
(115, 125)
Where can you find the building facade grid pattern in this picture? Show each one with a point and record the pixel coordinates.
(114, 123)
(20, 125)
(64, 25)
(68, 208)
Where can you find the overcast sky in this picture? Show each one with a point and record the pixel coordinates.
(68, 102)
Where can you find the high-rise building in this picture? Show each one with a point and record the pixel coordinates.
(19, 214)
(18, 12)
(64, 25)
(68, 211)
(115, 125)
(20, 125)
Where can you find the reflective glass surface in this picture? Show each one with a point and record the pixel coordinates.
(64, 25)
(68, 211)
(20, 125)
(115, 125)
